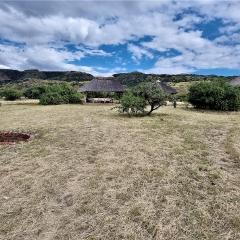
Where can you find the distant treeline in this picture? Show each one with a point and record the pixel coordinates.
(8, 76)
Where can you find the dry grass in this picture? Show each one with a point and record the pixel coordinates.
(19, 102)
(91, 174)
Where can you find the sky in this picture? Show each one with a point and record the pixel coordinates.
(107, 37)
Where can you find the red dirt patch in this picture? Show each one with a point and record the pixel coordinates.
(13, 137)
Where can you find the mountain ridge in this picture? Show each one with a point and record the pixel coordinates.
(8, 76)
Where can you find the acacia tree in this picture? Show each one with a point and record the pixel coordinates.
(145, 94)
(152, 94)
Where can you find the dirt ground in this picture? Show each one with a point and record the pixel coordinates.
(92, 174)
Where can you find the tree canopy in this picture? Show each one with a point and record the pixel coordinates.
(137, 99)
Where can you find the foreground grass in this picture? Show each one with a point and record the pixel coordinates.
(91, 174)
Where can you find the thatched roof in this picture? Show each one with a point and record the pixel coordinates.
(235, 81)
(166, 88)
(102, 85)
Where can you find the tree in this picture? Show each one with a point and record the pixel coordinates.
(132, 104)
(152, 94)
(136, 100)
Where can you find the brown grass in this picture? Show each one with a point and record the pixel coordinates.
(92, 174)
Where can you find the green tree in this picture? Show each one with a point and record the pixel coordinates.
(136, 100)
(152, 94)
(132, 104)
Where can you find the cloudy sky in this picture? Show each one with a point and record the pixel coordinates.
(105, 37)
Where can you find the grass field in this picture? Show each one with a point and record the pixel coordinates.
(92, 174)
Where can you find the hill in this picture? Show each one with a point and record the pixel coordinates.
(131, 79)
(9, 76)
(15, 76)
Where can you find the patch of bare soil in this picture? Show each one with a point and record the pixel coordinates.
(14, 137)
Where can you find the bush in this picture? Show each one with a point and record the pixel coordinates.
(137, 99)
(182, 97)
(52, 98)
(131, 104)
(1, 93)
(75, 98)
(216, 95)
(11, 94)
(60, 94)
(35, 92)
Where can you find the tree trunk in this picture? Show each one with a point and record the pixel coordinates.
(152, 109)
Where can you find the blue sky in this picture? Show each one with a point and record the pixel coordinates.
(106, 37)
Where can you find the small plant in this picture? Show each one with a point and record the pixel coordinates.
(11, 94)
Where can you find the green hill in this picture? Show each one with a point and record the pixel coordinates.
(15, 76)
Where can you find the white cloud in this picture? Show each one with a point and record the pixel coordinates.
(49, 59)
(33, 30)
(43, 57)
(210, 58)
(44, 26)
(139, 52)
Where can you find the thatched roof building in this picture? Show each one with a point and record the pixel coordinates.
(235, 82)
(166, 88)
(102, 85)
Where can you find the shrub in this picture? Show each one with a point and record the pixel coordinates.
(182, 97)
(35, 92)
(1, 93)
(132, 104)
(137, 99)
(216, 95)
(11, 94)
(75, 98)
(52, 98)
(64, 94)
